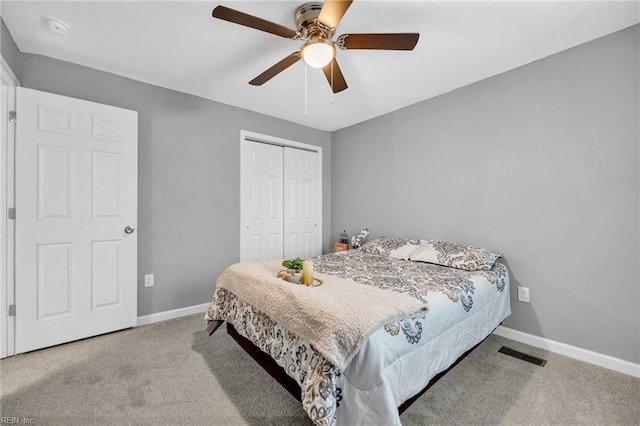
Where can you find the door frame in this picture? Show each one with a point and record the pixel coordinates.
(249, 136)
(7, 227)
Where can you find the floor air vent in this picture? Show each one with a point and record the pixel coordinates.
(529, 358)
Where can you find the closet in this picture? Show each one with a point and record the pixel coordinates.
(281, 198)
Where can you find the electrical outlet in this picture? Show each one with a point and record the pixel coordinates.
(148, 280)
(523, 294)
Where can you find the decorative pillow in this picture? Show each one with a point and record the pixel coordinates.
(455, 255)
(397, 248)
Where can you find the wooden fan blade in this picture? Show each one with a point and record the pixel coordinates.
(338, 84)
(332, 12)
(241, 18)
(400, 41)
(276, 69)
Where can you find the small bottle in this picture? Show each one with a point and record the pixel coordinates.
(307, 272)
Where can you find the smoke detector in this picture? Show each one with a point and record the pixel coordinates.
(56, 25)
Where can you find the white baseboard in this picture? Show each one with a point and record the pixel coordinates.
(585, 355)
(174, 313)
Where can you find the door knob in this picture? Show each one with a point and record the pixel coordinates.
(128, 230)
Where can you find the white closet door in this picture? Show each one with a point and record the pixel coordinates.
(302, 203)
(261, 201)
(76, 193)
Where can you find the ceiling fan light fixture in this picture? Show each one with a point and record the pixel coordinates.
(318, 52)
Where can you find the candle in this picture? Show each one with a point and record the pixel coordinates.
(307, 272)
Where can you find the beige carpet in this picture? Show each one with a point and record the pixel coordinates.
(172, 373)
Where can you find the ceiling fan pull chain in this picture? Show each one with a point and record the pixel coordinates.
(306, 112)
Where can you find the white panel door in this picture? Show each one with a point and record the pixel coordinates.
(261, 202)
(76, 194)
(302, 203)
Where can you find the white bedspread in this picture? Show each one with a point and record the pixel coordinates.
(389, 369)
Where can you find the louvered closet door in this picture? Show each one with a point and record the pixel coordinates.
(76, 192)
(261, 201)
(302, 203)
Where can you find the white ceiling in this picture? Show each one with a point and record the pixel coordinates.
(178, 45)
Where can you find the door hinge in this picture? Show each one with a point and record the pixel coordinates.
(12, 310)
(13, 116)
(11, 214)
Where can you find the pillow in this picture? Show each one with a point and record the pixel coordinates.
(396, 248)
(455, 255)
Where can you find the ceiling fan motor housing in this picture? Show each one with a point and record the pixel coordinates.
(307, 22)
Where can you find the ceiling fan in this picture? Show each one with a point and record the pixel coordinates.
(316, 24)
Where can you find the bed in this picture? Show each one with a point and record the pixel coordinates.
(388, 319)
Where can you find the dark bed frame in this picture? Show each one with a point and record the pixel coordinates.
(278, 373)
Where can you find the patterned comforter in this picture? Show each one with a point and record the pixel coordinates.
(464, 307)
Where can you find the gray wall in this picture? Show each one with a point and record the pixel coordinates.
(9, 49)
(539, 163)
(188, 176)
